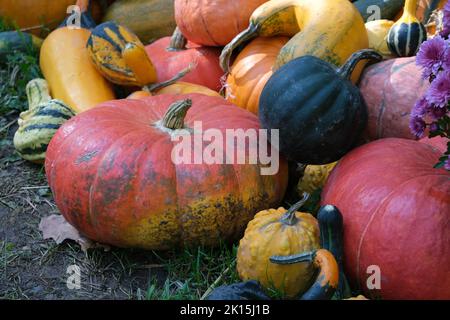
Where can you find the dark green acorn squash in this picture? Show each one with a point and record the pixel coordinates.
(320, 114)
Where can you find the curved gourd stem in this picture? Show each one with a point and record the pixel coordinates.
(248, 34)
(174, 117)
(177, 77)
(327, 279)
(178, 41)
(347, 69)
(37, 92)
(289, 218)
(410, 7)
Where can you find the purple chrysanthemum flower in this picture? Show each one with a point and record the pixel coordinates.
(439, 91)
(417, 126)
(421, 108)
(437, 112)
(446, 21)
(434, 127)
(431, 56)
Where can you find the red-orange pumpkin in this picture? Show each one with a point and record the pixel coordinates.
(390, 89)
(171, 55)
(396, 210)
(113, 178)
(213, 22)
(251, 70)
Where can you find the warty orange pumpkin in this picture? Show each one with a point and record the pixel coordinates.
(113, 177)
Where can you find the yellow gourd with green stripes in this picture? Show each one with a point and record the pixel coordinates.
(120, 56)
(408, 33)
(40, 122)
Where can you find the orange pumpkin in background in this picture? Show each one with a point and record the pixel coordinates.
(251, 70)
(171, 55)
(213, 22)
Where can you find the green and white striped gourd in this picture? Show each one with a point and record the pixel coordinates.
(40, 122)
(408, 33)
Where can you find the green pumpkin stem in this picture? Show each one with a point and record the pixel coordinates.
(178, 41)
(295, 258)
(289, 218)
(174, 117)
(347, 69)
(243, 37)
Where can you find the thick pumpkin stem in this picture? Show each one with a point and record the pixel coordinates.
(178, 41)
(174, 117)
(367, 54)
(227, 52)
(289, 218)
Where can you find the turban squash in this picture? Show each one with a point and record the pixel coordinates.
(396, 216)
(113, 178)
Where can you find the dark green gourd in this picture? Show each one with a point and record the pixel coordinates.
(320, 114)
(388, 9)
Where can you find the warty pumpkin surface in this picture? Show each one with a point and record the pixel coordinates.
(251, 70)
(113, 178)
(279, 232)
(213, 22)
(396, 216)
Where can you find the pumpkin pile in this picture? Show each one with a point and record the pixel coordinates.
(335, 82)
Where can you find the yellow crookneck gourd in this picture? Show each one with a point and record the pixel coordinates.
(40, 122)
(328, 29)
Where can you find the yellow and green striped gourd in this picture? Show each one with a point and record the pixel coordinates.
(40, 122)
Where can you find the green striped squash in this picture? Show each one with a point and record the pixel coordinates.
(408, 33)
(40, 122)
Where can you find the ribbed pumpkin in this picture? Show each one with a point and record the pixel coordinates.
(39, 123)
(113, 177)
(390, 89)
(396, 216)
(170, 55)
(213, 22)
(408, 33)
(148, 19)
(279, 232)
(251, 70)
(120, 56)
(319, 113)
(35, 15)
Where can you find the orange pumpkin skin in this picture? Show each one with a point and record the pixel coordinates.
(391, 89)
(396, 216)
(213, 22)
(112, 175)
(251, 71)
(168, 63)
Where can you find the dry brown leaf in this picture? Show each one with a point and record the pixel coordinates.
(57, 228)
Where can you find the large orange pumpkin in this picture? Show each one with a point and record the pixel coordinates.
(213, 22)
(390, 89)
(396, 210)
(113, 177)
(171, 55)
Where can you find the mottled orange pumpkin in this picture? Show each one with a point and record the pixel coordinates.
(213, 22)
(113, 177)
(251, 71)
